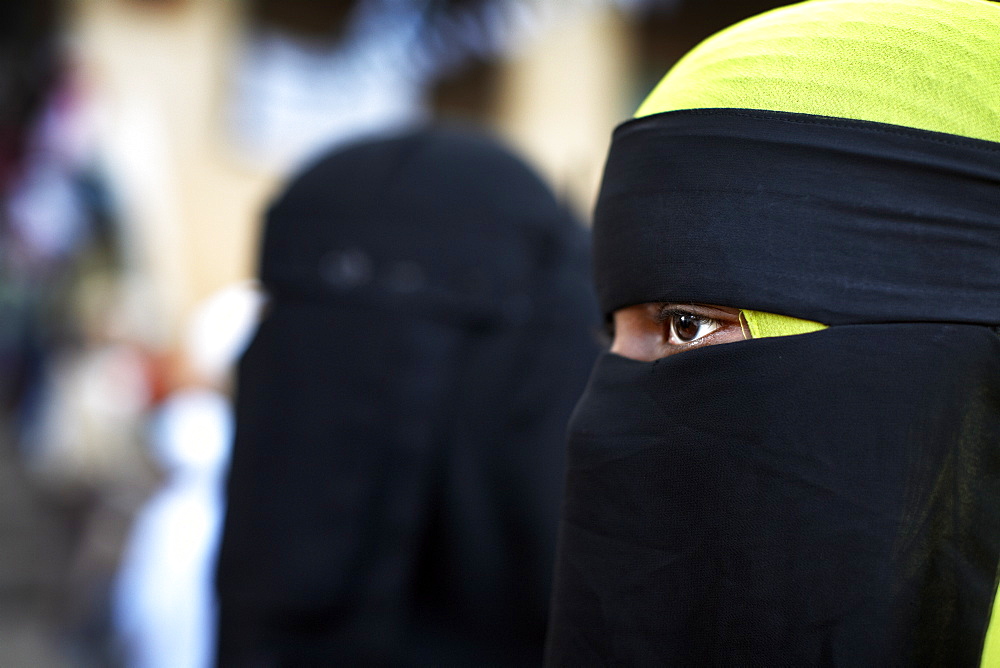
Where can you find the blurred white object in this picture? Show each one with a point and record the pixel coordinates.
(164, 607)
(164, 601)
(221, 328)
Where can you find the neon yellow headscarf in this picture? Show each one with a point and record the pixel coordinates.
(926, 64)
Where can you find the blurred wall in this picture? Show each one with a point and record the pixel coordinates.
(157, 72)
(160, 73)
(560, 99)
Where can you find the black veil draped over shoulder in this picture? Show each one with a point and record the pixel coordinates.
(399, 457)
(830, 498)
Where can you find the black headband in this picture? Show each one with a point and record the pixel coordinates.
(834, 220)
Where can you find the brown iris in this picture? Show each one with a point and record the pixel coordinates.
(686, 326)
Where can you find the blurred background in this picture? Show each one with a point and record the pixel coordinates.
(140, 141)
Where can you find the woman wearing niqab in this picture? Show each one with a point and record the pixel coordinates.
(818, 188)
(399, 457)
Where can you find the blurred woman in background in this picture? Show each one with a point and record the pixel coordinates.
(394, 490)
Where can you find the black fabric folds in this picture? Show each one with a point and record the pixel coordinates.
(399, 457)
(824, 499)
(838, 221)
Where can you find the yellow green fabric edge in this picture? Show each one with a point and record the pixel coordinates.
(991, 645)
(925, 64)
(763, 325)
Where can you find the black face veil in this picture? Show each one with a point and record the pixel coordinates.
(393, 497)
(824, 499)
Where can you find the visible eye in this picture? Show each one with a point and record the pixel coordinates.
(685, 327)
(654, 330)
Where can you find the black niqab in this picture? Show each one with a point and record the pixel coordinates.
(821, 499)
(393, 497)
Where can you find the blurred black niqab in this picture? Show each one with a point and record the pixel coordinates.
(398, 465)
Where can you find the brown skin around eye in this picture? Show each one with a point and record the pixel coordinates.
(647, 332)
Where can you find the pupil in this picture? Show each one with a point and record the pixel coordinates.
(686, 327)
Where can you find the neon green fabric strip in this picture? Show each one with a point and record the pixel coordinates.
(927, 64)
(763, 325)
(991, 647)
